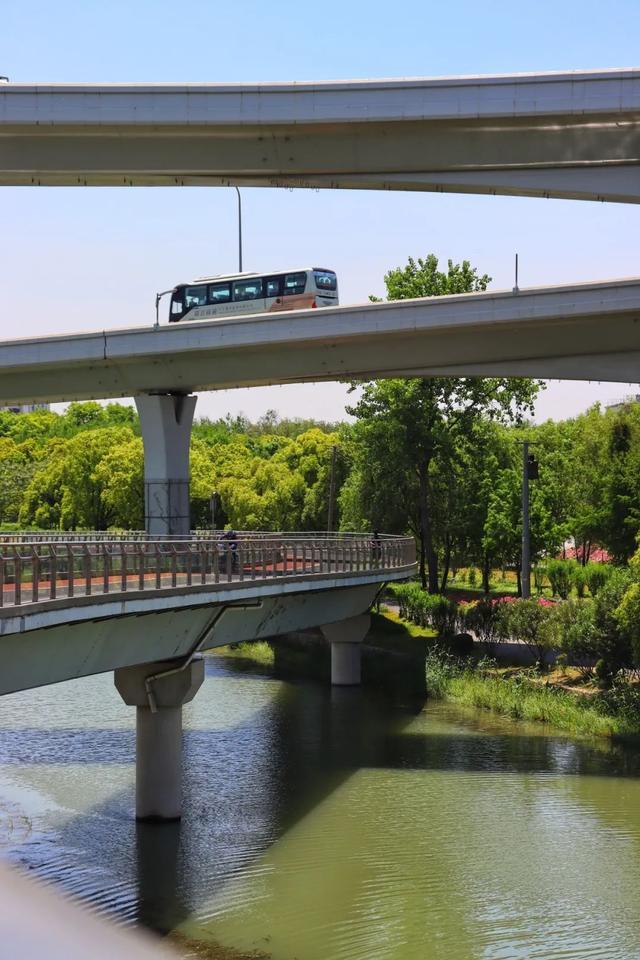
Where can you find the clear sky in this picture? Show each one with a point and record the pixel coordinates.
(73, 259)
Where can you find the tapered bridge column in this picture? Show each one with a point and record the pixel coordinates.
(345, 637)
(157, 691)
(165, 420)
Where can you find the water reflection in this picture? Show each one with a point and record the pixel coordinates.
(329, 824)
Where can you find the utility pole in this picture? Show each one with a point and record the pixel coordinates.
(525, 572)
(239, 230)
(332, 488)
(529, 472)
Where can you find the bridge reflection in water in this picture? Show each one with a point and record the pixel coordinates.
(335, 823)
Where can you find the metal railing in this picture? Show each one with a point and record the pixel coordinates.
(82, 536)
(35, 572)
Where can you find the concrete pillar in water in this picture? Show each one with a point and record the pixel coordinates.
(345, 637)
(165, 420)
(157, 691)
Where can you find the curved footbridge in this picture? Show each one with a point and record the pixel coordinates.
(146, 608)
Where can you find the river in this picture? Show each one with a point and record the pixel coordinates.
(331, 824)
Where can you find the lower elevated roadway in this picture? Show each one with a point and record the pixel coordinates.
(580, 331)
(146, 609)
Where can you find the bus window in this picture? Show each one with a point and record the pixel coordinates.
(294, 283)
(273, 287)
(248, 289)
(220, 293)
(325, 280)
(195, 297)
(177, 305)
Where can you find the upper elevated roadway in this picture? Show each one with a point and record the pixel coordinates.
(584, 331)
(573, 135)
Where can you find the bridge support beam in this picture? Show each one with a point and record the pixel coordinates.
(158, 691)
(166, 420)
(346, 638)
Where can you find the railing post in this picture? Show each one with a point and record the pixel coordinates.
(53, 571)
(70, 570)
(18, 576)
(105, 567)
(86, 563)
(35, 575)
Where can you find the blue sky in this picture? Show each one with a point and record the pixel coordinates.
(90, 258)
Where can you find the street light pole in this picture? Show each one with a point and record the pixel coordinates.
(525, 572)
(239, 230)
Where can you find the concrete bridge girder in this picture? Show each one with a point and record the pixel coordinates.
(584, 331)
(47, 646)
(530, 134)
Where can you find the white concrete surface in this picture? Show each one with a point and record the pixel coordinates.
(345, 637)
(158, 692)
(40, 924)
(410, 133)
(165, 421)
(583, 331)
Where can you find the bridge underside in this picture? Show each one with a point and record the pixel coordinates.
(45, 645)
(573, 135)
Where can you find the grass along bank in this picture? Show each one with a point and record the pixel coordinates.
(524, 698)
(519, 693)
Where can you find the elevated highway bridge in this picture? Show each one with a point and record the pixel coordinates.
(566, 134)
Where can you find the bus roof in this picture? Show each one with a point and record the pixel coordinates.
(240, 276)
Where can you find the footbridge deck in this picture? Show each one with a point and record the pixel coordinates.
(76, 607)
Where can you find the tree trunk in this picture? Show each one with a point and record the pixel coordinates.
(423, 568)
(486, 573)
(426, 535)
(446, 564)
(519, 581)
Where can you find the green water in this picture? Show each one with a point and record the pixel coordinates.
(331, 825)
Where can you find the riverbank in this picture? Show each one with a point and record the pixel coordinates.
(518, 693)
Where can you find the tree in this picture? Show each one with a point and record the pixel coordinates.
(406, 428)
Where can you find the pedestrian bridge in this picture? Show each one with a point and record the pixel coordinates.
(73, 607)
(146, 607)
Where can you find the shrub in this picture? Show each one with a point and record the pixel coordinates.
(614, 640)
(580, 579)
(539, 573)
(560, 574)
(481, 619)
(473, 576)
(530, 622)
(602, 672)
(597, 575)
(575, 631)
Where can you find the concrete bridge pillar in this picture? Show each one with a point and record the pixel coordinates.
(157, 691)
(346, 638)
(166, 421)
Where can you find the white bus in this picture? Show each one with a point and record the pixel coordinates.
(230, 296)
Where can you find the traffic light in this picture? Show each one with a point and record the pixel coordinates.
(532, 467)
